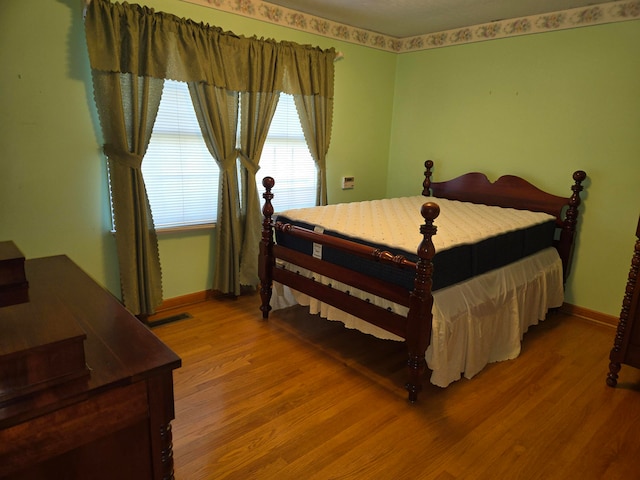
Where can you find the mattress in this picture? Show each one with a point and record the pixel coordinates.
(471, 239)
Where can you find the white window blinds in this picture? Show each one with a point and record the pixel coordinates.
(181, 177)
(180, 174)
(286, 158)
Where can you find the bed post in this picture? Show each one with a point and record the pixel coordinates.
(426, 185)
(567, 235)
(420, 314)
(266, 260)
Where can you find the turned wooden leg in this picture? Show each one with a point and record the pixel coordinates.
(265, 295)
(417, 365)
(161, 412)
(166, 452)
(612, 376)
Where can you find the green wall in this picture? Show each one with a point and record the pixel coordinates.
(53, 195)
(540, 106)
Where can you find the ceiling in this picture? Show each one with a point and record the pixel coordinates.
(406, 18)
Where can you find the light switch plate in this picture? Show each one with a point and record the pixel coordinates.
(348, 183)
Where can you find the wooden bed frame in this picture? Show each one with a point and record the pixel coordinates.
(415, 328)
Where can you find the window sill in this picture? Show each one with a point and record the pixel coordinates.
(181, 229)
(185, 228)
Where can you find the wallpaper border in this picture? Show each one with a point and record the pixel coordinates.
(617, 11)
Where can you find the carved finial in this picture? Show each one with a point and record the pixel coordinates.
(426, 250)
(430, 211)
(579, 176)
(267, 208)
(268, 183)
(426, 185)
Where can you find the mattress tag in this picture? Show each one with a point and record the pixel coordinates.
(317, 248)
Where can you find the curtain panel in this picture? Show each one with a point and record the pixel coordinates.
(217, 112)
(135, 40)
(257, 110)
(126, 115)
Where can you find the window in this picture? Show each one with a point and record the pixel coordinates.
(286, 158)
(182, 178)
(180, 174)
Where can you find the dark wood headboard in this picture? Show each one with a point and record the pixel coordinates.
(514, 192)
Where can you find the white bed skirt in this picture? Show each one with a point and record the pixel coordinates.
(476, 322)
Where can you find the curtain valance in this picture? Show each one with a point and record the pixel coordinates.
(130, 38)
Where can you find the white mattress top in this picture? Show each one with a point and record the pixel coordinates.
(396, 222)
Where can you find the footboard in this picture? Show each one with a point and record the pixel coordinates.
(415, 328)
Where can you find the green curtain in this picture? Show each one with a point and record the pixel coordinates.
(315, 109)
(127, 106)
(217, 112)
(257, 112)
(315, 114)
(132, 39)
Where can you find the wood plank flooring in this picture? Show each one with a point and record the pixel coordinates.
(296, 397)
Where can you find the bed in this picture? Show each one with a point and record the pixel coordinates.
(458, 302)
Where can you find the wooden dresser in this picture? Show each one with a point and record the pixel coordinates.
(626, 346)
(96, 406)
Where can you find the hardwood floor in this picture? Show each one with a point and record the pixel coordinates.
(295, 397)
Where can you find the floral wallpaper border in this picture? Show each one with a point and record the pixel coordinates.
(616, 11)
